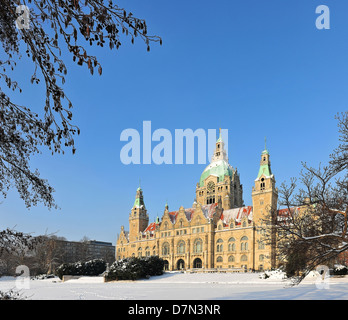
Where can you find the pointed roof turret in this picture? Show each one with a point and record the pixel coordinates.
(265, 164)
(139, 199)
(219, 165)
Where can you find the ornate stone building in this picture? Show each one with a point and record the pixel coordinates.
(218, 231)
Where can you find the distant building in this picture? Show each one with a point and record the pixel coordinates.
(73, 251)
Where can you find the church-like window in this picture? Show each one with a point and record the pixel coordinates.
(261, 257)
(198, 246)
(139, 252)
(165, 249)
(219, 259)
(244, 243)
(181, 247)
(147, 252)
(244, 258)
(231, 244)
(261, 245)
(231, 259)
(219, 245)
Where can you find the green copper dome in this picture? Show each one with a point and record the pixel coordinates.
(220, 168)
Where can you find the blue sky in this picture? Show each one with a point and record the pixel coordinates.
(255, 68)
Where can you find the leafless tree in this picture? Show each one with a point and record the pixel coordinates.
(311, 227)
(52, 27)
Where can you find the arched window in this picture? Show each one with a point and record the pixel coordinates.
(231, 244)
(154, 250)
(181, 247)
(244, 224)
(198, 246)
(165, 225)
(261, 245)
(181, 223)
(261, 257)
(244, 258)
(244, 243)
(219, 245)
(262, 185)
(165, 249)
(219, 259)
(231, 259)
(219, 227)
(231, 225)
(139, 252)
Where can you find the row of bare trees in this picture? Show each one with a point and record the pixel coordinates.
(42, 254)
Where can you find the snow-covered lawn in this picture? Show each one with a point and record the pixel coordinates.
(182, 286)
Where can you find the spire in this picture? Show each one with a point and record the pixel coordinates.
(220, 138)
(265, 163)
(265, 151)
(220, 152)
(166, 207)
(139, 199)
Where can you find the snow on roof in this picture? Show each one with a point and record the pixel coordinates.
(208, 211)
(237, 214)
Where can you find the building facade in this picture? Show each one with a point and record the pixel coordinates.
(73, 251)
(217, 232)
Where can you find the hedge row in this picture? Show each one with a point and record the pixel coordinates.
(340, 270)
(90, 268)
(135, 268)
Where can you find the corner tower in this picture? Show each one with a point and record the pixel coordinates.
(138, 218)
(264, 192)
(220, 180)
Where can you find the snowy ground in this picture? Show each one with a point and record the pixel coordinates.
(181, 286)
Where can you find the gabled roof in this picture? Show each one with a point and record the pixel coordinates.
(208, 211)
